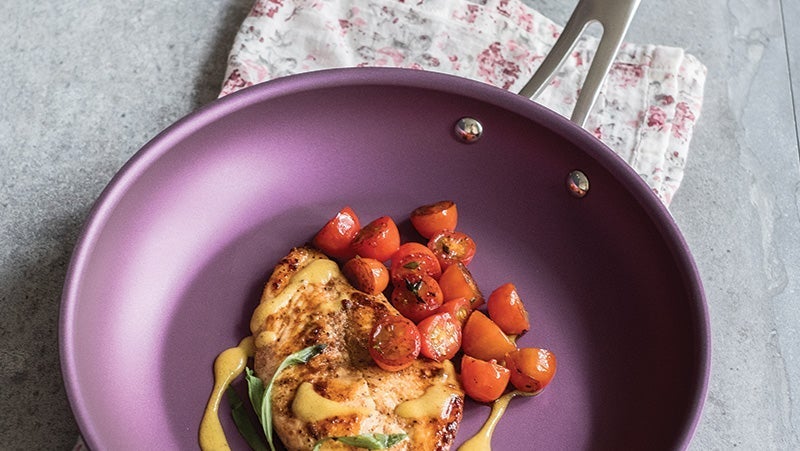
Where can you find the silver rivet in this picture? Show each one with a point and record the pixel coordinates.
(577, 183)
(469, 129)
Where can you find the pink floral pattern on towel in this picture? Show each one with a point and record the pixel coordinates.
(646, 111)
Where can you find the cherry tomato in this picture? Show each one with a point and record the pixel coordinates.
(394, 342)
(483, 339)
(335, 236)
(456, 282)
(429, 219)
(450, 247)
(458, 308)
(531, 368)
(441, 336)
(414, 258)
(379, 239)
(507, 310)
(417, 298)
(367, 274)
(483, 381)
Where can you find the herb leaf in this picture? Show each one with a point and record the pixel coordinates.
(367, 441)
(255, 389)
(414, 286)
(243, 423)
(318, 445)
(373, 441)
(261, 396)
(258, 398)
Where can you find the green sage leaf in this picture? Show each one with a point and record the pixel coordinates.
(255, 389)
(318, 445)
(373, 441)
(262, 404)
(414, 286)
(366, 441)
(246, 428)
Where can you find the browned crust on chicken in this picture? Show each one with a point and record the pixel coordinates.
(365, 397)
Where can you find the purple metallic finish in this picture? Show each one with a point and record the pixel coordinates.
(175, 252)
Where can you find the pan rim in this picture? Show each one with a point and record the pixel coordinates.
(330, 78)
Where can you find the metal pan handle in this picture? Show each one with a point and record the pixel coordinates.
(615, 17)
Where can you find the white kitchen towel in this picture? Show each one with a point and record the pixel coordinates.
(647, 107)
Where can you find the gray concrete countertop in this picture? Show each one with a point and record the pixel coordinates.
(87, 83)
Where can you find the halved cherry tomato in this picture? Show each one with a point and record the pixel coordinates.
(441, 336)
(413, 258)
(429, 219)
(335, 236)
(457, 282)
(483, 381)
(417, 298)
(531, 368)
(458, 308)
(483, 339)
(379, 239)
(394, 342)
(451, 247)
(507, 310)
(367, 274)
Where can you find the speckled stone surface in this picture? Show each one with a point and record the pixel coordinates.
(86, 84)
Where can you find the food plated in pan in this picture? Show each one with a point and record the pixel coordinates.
(337, 364)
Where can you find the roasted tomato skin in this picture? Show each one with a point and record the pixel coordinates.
(507, 310)
(451, 247)
(457, 282)
(412, 259)
(441, 336)
(483, 339)
(394, 342)
(335, 236)
(366, 274)
(458, 308)
(417, 298)
(483, 381)
(432, 218)
(379, 239)
(531, 369)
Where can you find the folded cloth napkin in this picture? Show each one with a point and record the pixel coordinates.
(646, 110)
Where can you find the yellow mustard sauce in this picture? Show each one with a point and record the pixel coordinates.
(318, 271)
(482, 441)
(308, 405)
(231, 362)
(435, 402)
(227, 367)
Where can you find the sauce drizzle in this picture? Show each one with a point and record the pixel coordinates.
(318, 271)
(436, 402)
(310, 406)
(482, 441)
(227, 367)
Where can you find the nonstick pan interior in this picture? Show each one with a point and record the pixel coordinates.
(176, 250)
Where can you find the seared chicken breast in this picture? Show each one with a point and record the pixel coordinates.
(342, 392)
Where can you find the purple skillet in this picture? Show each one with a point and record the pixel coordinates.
(175, 252)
